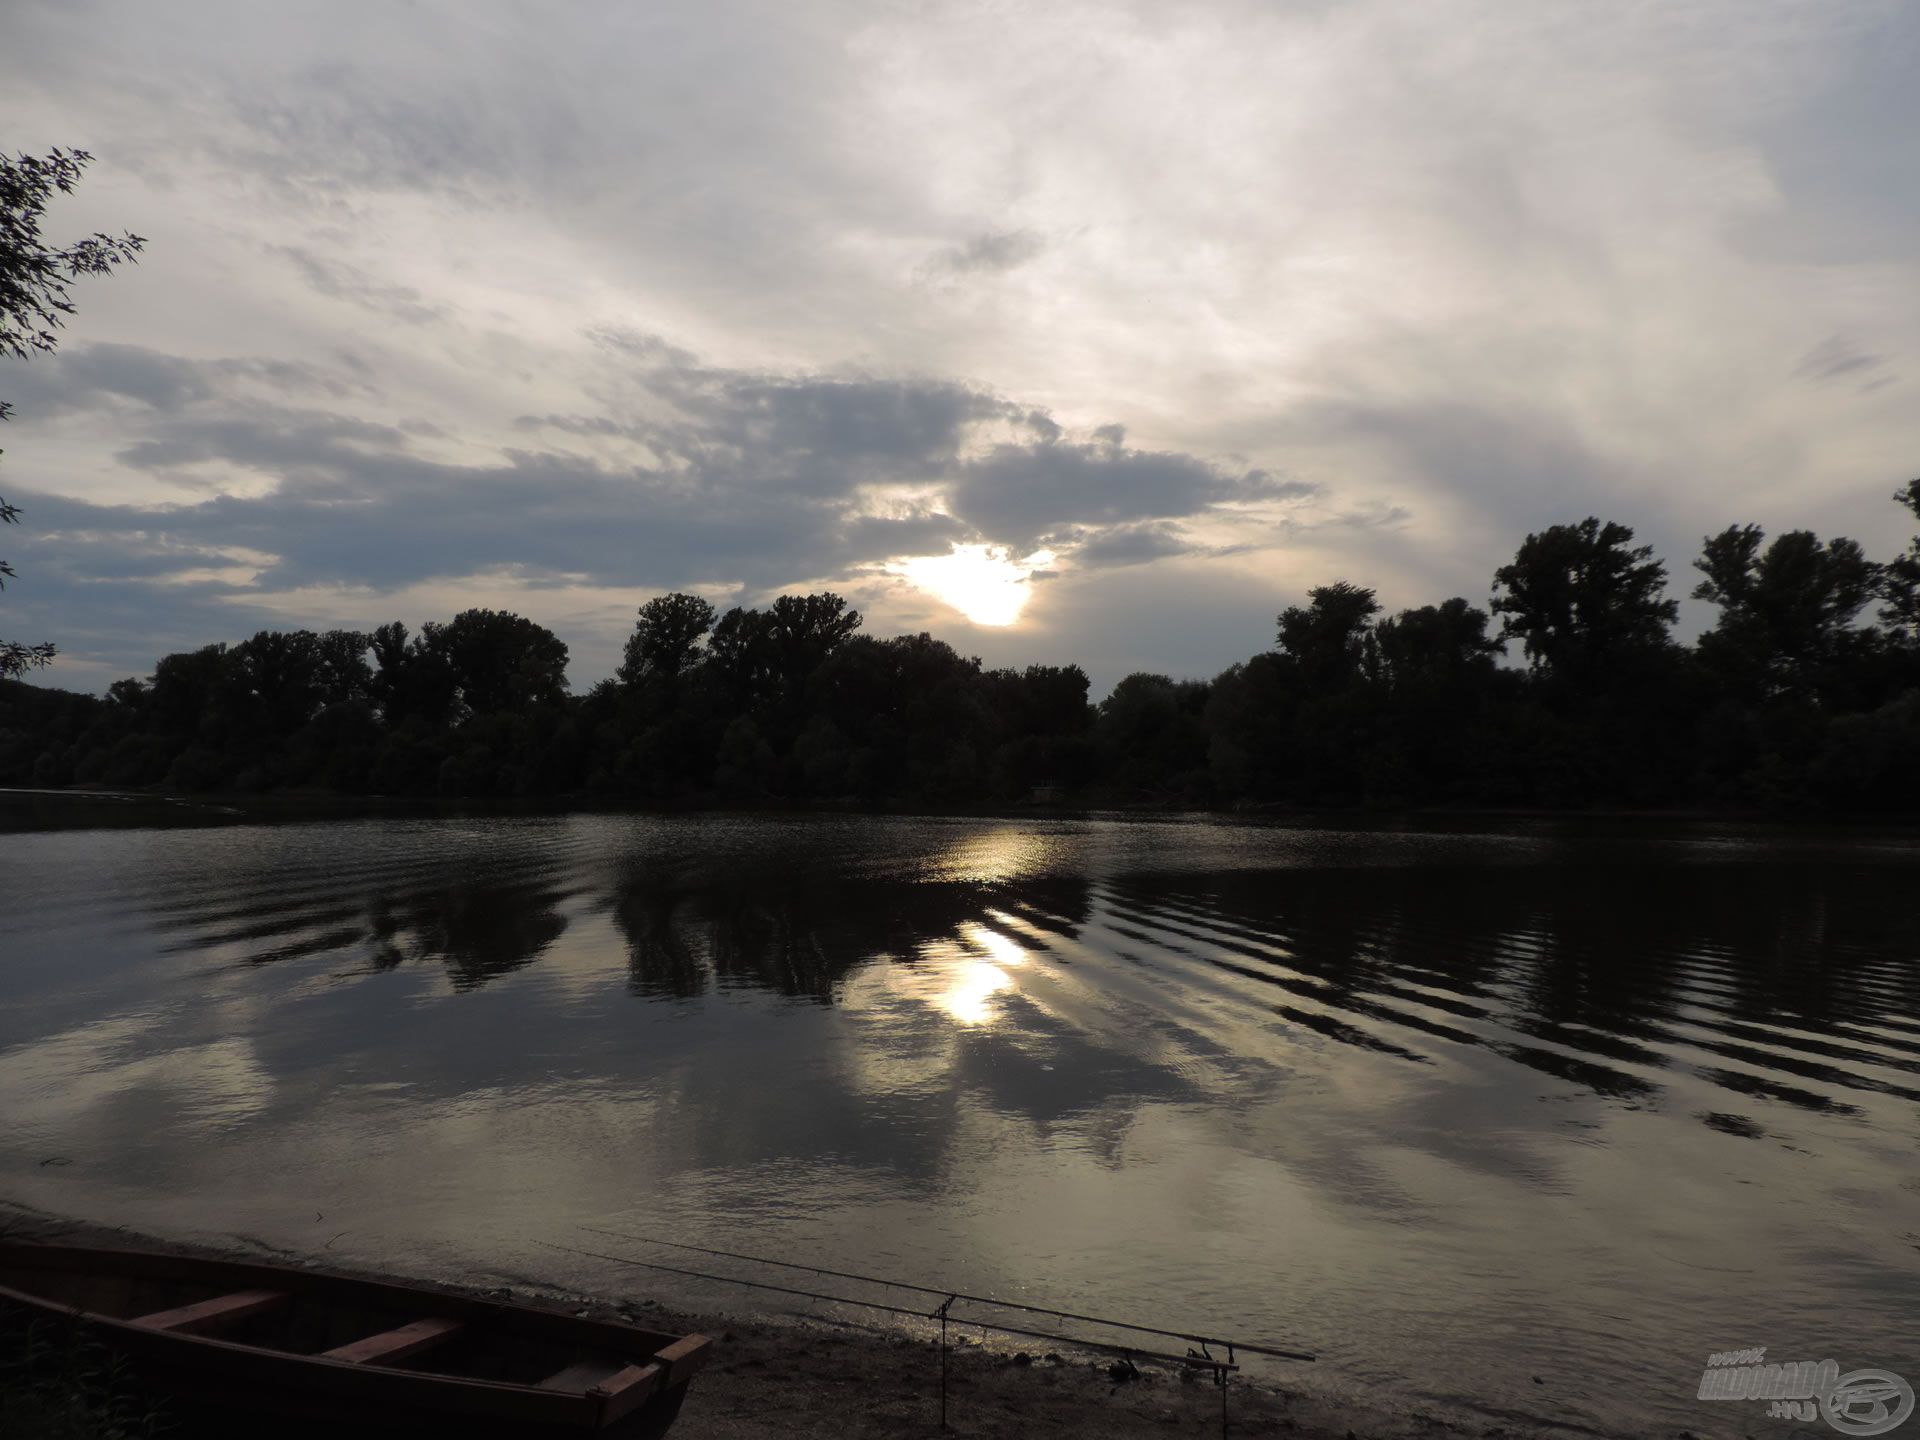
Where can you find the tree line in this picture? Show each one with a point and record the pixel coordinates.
(1804, 695)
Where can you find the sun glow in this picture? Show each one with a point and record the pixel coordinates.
(979, 977)
(983, 582)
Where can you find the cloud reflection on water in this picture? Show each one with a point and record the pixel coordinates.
(1153, 1064)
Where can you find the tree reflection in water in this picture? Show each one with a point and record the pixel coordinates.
(798, 931)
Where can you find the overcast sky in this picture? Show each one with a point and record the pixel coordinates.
(1162, 314)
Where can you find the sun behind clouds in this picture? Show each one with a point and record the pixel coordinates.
(983, 582)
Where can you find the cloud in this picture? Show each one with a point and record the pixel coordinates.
(1132, 545)
(339, 281)
(1024, 494)
(721, 479)
(88, 377)
(1839, 357)
(992, 253)
(1842, 156)
(742, 475)
(918, 532)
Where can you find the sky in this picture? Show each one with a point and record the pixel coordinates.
(1069, 333)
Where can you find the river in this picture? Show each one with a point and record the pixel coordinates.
(1523, 1119)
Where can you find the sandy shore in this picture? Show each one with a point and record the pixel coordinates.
(792, 1377)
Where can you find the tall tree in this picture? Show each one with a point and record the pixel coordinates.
(1583, 597)
(280, 671)
(411, 681)
(666, 638)
(1152, 730)
(33, 299)
(194, 694)
(739, 656)
(500, 661)
(1330, 639)
(805, 630)
(765, 658)
(1900, 579)
(1436, 645)
(1786, 612)
(344, 674)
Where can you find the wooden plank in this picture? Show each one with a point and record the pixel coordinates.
(584, 1375)
(212, 1314)
(390, 1347)
(625, 1391)
(683, 1358)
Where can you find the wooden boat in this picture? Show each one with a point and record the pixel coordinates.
(231, 1347)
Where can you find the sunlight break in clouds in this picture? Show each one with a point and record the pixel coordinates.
(983, 582)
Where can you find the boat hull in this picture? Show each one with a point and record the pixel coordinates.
(216, 1385)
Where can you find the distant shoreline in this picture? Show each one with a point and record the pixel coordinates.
(241, 807)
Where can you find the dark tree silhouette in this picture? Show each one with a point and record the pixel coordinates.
(1789, 703)
(413, 684)
(1900, 579)
(499, 661)
(34, 301)
(1786, 613)
(1152, 736)
(1439, 646)
(1331, 640)
(1580, 598)
(666, 639)
(801, 631)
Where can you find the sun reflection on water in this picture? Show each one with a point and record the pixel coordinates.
(977, 978)
(1006, 852)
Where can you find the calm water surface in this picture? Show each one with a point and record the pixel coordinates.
(1455, 1109)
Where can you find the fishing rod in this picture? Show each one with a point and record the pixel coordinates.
(1230, 1345)
(1206, 1362)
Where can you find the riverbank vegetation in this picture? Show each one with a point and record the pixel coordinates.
(1803, 696)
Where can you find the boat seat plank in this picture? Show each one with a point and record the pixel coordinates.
(205, 1315)
(626, 1378)
(390, 1347)
(585, 1375)
(626, 1390)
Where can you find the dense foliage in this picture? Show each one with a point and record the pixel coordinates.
(1797, 698)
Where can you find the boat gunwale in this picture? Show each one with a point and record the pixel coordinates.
(531, 1402)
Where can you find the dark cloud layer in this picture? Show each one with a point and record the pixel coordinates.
(731, 479)
(1133, 545)
(1031, 493)
(87, 377)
